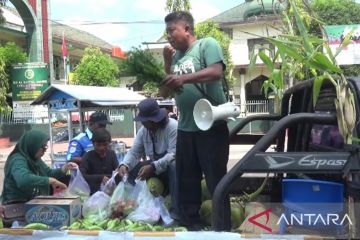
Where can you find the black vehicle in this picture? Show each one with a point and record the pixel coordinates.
(306, 144)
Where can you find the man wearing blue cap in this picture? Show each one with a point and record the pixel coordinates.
(156, 140)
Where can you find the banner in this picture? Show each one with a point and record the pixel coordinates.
(29, 80)
(336, 34)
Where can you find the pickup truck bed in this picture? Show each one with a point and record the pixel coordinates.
(298, 152)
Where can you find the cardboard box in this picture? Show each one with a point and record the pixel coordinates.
(53, 211)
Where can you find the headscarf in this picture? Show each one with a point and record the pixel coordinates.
(28, 145)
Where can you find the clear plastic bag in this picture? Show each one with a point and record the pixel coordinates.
(97, 208)
(147, 211)
(123, 200)
(78, 186)
(164, 212)
(110, 185)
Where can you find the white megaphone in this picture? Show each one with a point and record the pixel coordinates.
(205, 114)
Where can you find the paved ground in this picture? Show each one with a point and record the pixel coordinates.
(236, 153)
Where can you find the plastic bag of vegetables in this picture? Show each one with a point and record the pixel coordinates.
(123, 200)
(110, 185)
(97, 208)
(147, 211)
(78, 186)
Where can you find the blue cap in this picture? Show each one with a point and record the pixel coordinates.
(149, 111)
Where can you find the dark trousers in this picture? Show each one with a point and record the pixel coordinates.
(198, 153)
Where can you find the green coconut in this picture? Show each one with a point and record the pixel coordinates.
(205, 212)
(205, 194)
(155, 186)
(237, 213)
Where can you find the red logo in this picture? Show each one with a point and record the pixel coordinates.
(267, 214)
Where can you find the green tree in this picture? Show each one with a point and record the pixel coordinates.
(12, 54)
(4, 85)
(337, 12)
(148, 71)
(96, 69)
(211, 29)
(177, 5)
(9, 54)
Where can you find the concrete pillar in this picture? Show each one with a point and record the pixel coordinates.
(50, 45)
(35, 16)
(242, 90)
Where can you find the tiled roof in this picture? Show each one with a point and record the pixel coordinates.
(73, 35)
(78, 36)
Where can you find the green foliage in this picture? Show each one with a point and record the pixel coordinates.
(301, 49)
(4, 85)
(294, 49)
(12, 54)
(96, 69)
(211, 29)
(148, 71)
(151, 89)
(177, 5)
(9, 54)
(337, 12)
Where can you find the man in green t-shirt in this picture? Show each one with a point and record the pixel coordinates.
(194, 69)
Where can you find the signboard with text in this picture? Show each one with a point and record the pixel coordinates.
(29, 80)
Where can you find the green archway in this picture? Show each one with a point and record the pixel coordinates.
(33, 30)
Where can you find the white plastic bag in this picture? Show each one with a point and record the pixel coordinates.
(78, 186)
(123, 200)
(97, 207)
(147, 211)
(164, 212)
(110, 185)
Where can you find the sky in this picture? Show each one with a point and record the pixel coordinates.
(103, 18)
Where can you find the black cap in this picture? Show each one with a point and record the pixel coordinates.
(99, 117)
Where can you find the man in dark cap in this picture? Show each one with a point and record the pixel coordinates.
(157, 141)
(82, 143)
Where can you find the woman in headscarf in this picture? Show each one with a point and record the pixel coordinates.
(26, 175)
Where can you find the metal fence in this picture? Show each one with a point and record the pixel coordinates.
(251, 107)
(257, 106)
(30, 119)
(114, 115)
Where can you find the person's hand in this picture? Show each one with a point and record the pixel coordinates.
(69, 166)
(57, 185)
(168, 53)
(105, 179)
(123, 170)
(145, 172)
(173, 81)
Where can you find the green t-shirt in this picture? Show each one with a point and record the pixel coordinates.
(189, 62)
